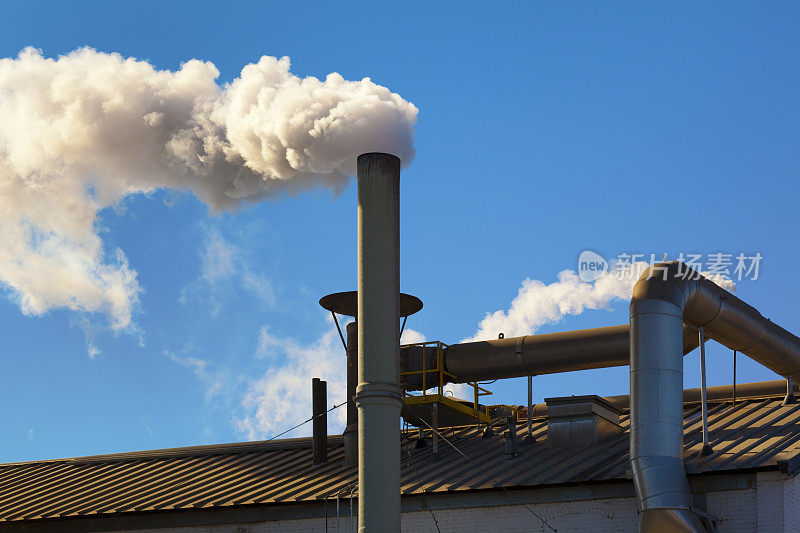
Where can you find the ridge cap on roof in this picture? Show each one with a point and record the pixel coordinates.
(187, 451)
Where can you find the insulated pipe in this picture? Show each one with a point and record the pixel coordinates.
(666, 296)
(378, 395)
(534, 355)
(350, 434)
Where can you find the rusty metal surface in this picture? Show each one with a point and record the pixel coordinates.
(754, 434)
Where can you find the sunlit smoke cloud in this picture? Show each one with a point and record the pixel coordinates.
(83, 131)
(537, 303)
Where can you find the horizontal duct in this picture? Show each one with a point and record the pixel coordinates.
(529, 355)
(757, 390)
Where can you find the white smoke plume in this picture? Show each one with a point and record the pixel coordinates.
(538, 304)
(80, 132)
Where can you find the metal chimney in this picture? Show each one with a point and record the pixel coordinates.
(378, 395)
(319, 400)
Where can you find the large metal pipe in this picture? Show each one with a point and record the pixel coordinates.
(546, 353)
(378, 395)
(532, 355)
(665, 297)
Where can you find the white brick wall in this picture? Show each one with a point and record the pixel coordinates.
(589, 517)
(596, 516)
(736, 510)
(791, 504)
(773, 505)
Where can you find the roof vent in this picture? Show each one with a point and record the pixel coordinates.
(580, 421)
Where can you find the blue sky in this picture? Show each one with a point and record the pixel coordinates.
(542, 131)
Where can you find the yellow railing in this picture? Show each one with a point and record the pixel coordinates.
(440, 372)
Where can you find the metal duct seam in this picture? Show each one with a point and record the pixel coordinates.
(666, 296)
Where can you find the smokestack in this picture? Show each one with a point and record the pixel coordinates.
(378, 395)
(350, 435)
(319, 400)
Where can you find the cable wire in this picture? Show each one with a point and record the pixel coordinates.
(305, 422)
(428, 507)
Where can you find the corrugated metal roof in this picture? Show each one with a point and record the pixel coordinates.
(753, 434)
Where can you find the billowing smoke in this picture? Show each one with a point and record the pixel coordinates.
(538, 304)
(83, 131)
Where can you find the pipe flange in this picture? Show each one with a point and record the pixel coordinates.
(379, 392)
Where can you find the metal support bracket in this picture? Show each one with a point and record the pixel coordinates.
(707, 449)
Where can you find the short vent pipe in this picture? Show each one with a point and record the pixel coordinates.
(319, 423)
(665, 297)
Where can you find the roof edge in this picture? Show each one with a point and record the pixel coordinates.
(189, 451)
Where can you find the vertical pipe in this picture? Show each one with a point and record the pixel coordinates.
(703, 393)
(511, 438)
(378, 395)
(530, 407)
(435, 424)
(319, 424)
(350, 435)
(656, 414)
(790, 398)
(734, 377)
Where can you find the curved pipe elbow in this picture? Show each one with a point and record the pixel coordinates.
(666, 296)
(724, 317)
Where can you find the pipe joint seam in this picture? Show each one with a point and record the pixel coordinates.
(379, 393)
(518, 352)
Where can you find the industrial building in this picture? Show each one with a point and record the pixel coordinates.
(659, 459)
(748, 483)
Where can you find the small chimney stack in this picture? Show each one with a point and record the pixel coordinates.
(319, 398)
